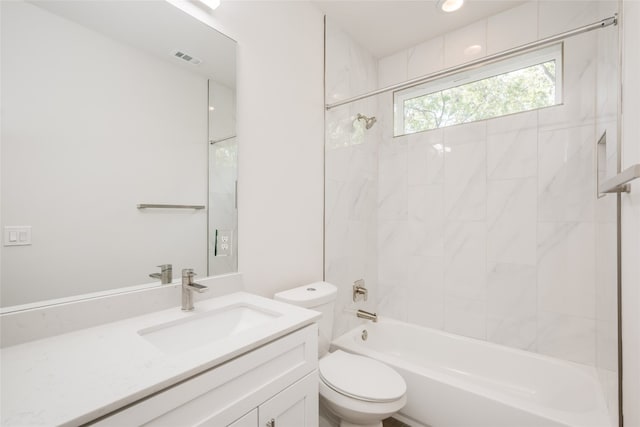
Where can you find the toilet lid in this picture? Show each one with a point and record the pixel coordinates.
(361, 377)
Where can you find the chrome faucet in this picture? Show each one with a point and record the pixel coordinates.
(367, 315)
(165, 275)
(188, 286)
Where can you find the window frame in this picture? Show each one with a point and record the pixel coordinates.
(553, 52)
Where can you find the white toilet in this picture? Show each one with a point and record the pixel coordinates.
(357, 389)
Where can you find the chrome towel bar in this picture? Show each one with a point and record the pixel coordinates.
(160, 206)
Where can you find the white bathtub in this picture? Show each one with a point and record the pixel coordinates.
(455, 381)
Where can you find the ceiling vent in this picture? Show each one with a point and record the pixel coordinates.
(186, 57)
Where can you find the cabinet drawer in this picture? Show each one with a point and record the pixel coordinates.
(224, 393)
(296, 406)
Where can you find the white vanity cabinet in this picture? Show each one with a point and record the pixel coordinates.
(295, 406)
(247, 420)
(277, 381)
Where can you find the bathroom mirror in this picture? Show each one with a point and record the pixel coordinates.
(107, 105)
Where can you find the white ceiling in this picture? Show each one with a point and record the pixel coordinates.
(386, 26)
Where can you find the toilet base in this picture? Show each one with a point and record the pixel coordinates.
(353, 413)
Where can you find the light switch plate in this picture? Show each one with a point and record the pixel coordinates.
(17, 235)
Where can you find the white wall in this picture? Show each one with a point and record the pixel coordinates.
(280, 143)
(82, 116)
(280, 128)
(631, 217)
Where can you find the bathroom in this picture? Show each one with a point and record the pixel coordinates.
(320, 197)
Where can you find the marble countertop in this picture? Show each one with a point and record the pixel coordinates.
(73, 378)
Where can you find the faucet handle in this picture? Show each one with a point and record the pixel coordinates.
(164, 267)
(187, 276)
(359, 290)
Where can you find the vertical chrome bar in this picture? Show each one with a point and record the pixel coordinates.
(619, 210)
(163, 206)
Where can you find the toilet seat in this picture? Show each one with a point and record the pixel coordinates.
(361, 378)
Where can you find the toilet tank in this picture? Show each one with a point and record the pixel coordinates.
(318, 296)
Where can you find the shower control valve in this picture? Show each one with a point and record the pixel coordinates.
(359, 291)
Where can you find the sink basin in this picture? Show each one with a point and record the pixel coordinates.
(205, 328)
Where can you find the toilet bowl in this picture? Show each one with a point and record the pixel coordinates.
(358, 390)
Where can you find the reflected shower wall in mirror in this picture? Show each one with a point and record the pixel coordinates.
(100, 115)
(223, 173)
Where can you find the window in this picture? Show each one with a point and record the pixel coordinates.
(522, 83)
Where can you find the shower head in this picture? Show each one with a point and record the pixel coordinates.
(368, 121)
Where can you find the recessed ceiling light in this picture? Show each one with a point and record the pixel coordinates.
(211, 4)
(449, 5)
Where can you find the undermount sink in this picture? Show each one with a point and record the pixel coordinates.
(205, 328)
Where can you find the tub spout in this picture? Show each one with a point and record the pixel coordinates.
(367, 315)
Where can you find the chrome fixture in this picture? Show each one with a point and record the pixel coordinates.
(367, 315)
(359, 291)
(226, 138)
(620, 182)
(188, 286)
(368, 121)
(161, 206)
(165, 275)
(364, 335)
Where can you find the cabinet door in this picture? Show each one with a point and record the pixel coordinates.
(247, 420)
(295, 406)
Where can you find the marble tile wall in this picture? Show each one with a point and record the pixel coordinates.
(222, 199)
(488, 229)
(351, 176)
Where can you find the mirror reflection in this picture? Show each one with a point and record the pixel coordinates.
(106, 106)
